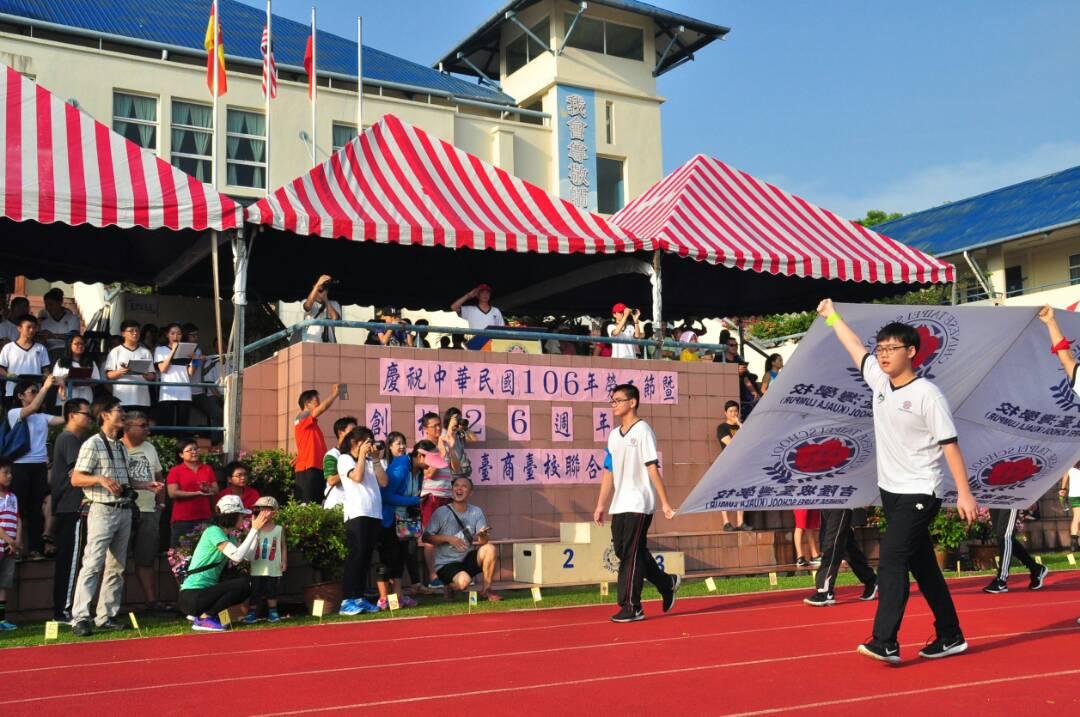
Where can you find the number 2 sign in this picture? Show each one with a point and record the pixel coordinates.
(519, 423)
(477, 418)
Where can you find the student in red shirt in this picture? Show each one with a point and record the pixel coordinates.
(190, 483)
(236, 473)
(310, 445)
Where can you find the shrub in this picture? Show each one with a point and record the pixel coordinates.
(168, 450)
(777, 325)
(271, 473)
(317, 533)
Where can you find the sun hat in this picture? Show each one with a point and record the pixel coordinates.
(229, 504)
(267, 501)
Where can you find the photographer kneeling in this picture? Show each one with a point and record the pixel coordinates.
(202, 593)
(459, 532)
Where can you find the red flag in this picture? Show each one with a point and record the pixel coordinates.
(212, 27)
(309, 57)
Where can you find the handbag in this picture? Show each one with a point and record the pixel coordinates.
(407, 528)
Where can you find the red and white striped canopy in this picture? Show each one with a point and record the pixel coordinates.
(397, 184)
(58, 164)
(710, 211)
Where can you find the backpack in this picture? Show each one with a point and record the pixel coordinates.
(14, 440)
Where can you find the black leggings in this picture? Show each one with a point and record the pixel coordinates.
(391, 555)
(30, 484)
(361, 537)
(214, 599)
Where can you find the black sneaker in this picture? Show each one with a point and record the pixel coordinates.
(669, 597)
(802, 563)
(996, 587)
(626, 615)
(1038, 578)
(111, 625)
(82, 629)
(880, 651)
(819, 599)
(943, 648)
(815, 562)
(728, 527)
(869, 591)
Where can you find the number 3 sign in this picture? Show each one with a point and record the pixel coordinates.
(519, 423)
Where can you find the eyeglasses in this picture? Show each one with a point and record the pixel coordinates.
(619, 400)
(80, 413)
(888, 350)
(191, 449)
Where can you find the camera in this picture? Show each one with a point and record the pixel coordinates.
(332, 284)
(380, 446)
(462, 424)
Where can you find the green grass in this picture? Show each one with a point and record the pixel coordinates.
(158, 626)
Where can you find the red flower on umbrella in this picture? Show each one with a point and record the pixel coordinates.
(1011, 472)
(821, 457)
(928, 346)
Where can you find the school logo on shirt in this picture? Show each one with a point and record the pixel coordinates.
(1013, 467)
(818, 453)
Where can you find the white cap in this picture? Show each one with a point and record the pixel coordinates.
(231, 504)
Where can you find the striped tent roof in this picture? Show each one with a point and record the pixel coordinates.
(58, 164)
(396, 184)
(710, 211)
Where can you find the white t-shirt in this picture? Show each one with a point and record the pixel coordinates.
(619, 351)
(8, 330)
(631, 455)
(67, 324)
(1074, 483)
(143, 464)
(129, 395)
(334, 494)
(19, 361)
(479, 320)
(180, 390)
(38, 423)
(363, 499)
(321, 334)
(911, 423)
(83, 391)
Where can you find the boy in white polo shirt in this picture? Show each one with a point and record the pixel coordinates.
(913, 435)
(635, 481)
(1063, 348)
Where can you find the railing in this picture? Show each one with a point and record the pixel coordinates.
(493, 333)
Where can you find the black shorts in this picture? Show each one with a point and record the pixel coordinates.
(264, 587)
(469, 565)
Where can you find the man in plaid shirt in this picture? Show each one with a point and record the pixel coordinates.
(102, 472)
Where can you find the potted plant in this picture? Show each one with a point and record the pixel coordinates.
(320, 535)
(948, 531)
(982, 552)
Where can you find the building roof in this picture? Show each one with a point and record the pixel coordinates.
(1024, 209)
(181, 25)
(481, 47)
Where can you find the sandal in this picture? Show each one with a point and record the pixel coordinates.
(50, 545)
(493, 597)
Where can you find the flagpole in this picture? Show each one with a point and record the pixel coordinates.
(268, 83)
(359, 75)
(217, 71)
(314, 86)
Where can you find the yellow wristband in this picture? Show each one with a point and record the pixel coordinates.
(832, 318)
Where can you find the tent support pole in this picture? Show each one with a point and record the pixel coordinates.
(234, 380)
(216, 271)
(656, 280)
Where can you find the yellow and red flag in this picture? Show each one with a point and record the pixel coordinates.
(213, 28)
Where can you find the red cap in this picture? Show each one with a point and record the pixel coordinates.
(484, 287)
(618, 308)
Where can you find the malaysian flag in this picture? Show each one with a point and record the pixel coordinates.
(269, 67)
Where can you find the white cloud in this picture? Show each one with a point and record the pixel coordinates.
(936, 185)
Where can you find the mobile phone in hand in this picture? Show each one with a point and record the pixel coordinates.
(343, 392)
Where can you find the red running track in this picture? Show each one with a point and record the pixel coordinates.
(738, 655)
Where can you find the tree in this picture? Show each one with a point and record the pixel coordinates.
(876, 216)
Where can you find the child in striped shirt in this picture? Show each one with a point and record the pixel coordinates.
(10, 539)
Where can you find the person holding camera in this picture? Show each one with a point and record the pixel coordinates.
(319, 305)
(362, 475)
(389, 337)
(102, 472)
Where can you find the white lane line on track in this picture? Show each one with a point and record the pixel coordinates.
(520, 653)
(903, 693)
(473, 633)
(682, 670)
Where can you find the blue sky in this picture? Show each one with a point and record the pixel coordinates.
(852, 104)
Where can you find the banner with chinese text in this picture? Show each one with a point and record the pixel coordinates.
(810, 441)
